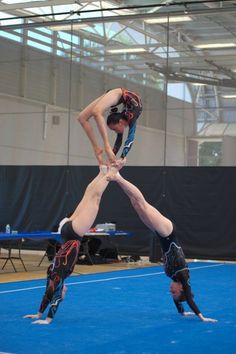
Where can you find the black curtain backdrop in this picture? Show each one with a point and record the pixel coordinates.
(200, 201)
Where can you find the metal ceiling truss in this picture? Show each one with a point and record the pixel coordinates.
(179, 60)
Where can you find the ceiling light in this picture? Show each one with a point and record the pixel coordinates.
(215, 45)
(173, 19)
(198, 84)
(68, 27)
(229, 96)
(127, 50)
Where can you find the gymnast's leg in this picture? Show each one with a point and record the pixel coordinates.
(58, 271)
(63, 266)
(150, 216)
(86, 212)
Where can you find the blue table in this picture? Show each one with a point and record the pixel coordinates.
(15, 240)
(36, 235)
(42, 235)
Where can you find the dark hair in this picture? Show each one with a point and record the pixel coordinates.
(114, 110)
(114, 116)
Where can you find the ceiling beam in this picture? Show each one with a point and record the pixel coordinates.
(91, 20)
(182, 78)
(24, 5)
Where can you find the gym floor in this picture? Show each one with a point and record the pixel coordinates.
(119, 309)
(32, 259)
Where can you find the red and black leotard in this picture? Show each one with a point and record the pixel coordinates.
(61, 268)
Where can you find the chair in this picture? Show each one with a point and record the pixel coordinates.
(84, 251)
(51, 250)
(9, 245)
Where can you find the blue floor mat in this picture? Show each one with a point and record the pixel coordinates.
(121, 312)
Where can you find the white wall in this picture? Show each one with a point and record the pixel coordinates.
(35, 86)
(229, 151)
(29, 137)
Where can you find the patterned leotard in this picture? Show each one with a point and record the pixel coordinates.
(132, 109)
(176, 268)
(61, 268)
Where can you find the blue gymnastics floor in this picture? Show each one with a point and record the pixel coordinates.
(121, 312)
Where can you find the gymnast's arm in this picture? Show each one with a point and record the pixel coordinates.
(46, 300)
(183, 277)
(130, 139)
(118, 143)
(179, 306)
(53, 296)
(38, 315)
(48, 295)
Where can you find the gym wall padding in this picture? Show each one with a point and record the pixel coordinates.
(200, 200)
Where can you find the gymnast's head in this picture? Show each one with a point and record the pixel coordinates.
(117, 121)
(177, 291)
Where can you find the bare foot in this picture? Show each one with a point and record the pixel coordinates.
(119, 163)
(64, 290)
(103, 169)
(112, 174)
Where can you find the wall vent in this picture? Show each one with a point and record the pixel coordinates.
(55, 120)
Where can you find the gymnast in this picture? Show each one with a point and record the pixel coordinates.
(173, 257)
(72, 230)
(116, 121)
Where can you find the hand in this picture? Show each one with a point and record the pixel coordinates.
(188, 313)
(205, 319)
(119, 164)
(64, 290)
(112, 173)
(44, 322)
(37, 315)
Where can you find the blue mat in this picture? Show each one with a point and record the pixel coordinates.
(121, 312)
